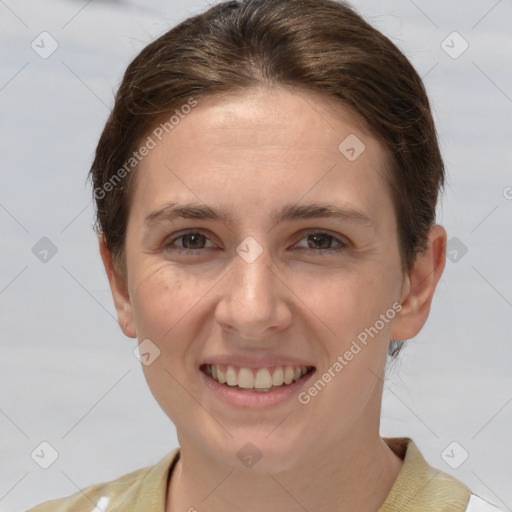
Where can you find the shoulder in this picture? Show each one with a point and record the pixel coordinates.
(124, 493)
(424, 487)
(96, 497)
(477, 504)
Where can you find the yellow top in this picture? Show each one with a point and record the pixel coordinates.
(418, 488)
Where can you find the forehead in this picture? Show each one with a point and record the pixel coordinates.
(262, 146)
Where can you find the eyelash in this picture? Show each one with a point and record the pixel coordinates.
(196, 252)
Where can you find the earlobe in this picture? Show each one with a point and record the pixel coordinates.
(119, 289)
(420, 285)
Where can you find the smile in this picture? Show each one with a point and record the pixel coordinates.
(256, 379)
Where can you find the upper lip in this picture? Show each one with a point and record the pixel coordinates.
(255, 362)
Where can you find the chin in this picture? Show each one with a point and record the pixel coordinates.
(259, 454)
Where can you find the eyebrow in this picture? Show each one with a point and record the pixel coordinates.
(290, 212)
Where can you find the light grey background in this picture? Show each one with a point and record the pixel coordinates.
(68, 375)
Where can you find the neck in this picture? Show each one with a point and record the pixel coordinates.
(356, 476)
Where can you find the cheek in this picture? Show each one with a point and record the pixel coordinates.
(359, 313)
(162, 298)
(162, 304)
(352, 302)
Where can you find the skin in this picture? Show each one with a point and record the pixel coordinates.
(250, 153)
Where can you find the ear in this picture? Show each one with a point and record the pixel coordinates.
(419, 286)
(119, 290)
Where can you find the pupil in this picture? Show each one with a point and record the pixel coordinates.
(193, 236)
(319, 238)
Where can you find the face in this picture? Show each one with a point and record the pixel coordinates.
(236, 270)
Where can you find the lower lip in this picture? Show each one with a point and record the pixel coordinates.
(255, 399)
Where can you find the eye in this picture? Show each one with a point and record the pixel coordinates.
(191, 243)
(325, 241)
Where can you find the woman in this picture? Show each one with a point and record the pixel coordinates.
(266, 189)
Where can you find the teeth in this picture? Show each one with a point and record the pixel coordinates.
(246, 378)
(288, 375)
(231, 378)
(262, 379)
(278, 377)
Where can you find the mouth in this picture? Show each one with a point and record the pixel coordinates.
(262, 380)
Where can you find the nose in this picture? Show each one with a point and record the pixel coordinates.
(254, 301)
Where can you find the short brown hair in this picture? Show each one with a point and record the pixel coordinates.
(318, 45)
